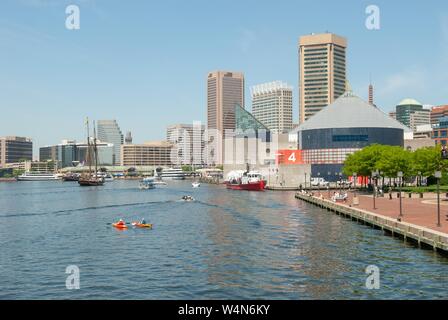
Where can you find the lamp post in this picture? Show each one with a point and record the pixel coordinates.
(305, 181)
(438, 175)
(400, 178)
(311, 181)
(318, 182)
(355, 197)
(419, 179)
(382, 180)
(340, 182)
(328, 185)
(375, 179)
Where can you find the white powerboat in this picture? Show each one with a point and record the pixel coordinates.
(106, 176)
(146, 184)
(195, 184)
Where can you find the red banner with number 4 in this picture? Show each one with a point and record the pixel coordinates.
(289, 157)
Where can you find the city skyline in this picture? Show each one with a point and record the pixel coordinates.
(54, 77)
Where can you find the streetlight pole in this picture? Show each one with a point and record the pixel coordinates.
(400, 177)
(305, 181)
(419, 179)
(340, 182)
(438, 175)
(374, 188)
(355, 196)
(311, 181)
(328, 185)
(318, 182)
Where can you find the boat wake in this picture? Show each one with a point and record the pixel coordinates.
(70, 211)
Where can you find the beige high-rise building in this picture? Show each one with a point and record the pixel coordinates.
(322, 75)
(225, 89)
(154, 153)
(15, 149)
(272, 105)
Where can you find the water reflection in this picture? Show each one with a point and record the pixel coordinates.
(228, 244)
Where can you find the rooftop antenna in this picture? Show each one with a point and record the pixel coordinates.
(371, 91)
(348, 88)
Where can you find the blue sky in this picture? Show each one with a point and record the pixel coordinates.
(144, 62)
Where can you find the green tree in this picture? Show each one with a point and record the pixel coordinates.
(187, 168)
(364, 161)
(393, 160)
(427, 161)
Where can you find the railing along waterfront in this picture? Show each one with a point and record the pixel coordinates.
(421, 235)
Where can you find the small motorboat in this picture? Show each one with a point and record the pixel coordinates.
(146, 184)
(196, 184)
(159, 183)
(187, 198)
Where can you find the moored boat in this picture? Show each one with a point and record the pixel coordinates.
(91, 178)
(38, 176)
(71, 177)
(172, 174)
(243, 180)
(87, 180)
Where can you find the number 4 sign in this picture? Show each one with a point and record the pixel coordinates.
(289, 157)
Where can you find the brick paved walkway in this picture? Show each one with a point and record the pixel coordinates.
(422, 212)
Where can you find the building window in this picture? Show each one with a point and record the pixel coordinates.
(347, 138)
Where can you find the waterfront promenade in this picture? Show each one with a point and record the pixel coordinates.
(418, 220)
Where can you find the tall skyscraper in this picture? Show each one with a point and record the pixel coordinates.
(224, 90)
(15, 149)
(272, 105)
(322, 75)
(109, 131)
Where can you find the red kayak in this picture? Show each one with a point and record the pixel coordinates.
(120, 225)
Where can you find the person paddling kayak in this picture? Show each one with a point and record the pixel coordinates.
(120, 224)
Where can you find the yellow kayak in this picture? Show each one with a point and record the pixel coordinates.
(142, 225)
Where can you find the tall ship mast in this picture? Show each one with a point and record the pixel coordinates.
(91, 178)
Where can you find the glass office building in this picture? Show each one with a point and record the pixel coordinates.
(109, 131)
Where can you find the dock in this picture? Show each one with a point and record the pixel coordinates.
(418, 234)
(281, 188)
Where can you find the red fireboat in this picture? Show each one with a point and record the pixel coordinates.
(243, 180)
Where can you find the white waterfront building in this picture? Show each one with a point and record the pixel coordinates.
(272, 105)
(188, 142)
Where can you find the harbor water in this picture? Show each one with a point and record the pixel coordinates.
(225, 245)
